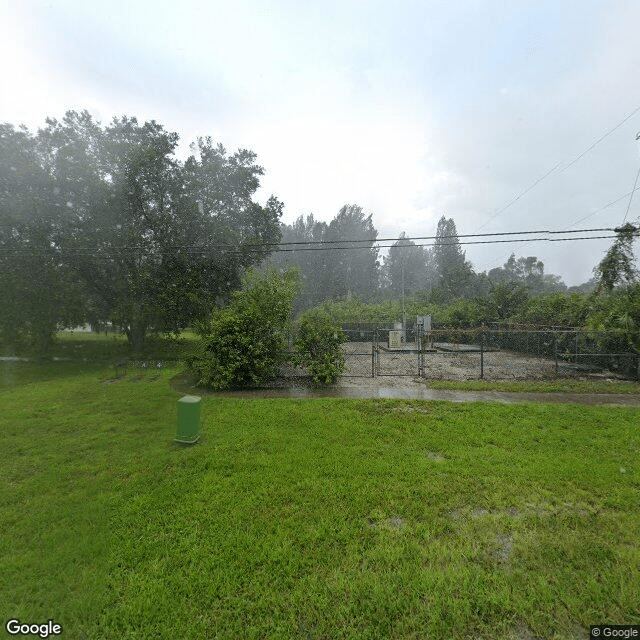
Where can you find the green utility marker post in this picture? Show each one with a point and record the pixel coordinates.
(188, 420)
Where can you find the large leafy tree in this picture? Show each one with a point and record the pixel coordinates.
(153, 241)
(305, 254)
(39, 291)
(618, 265)
(408, 267)
(352, 267)
(341, 267)
(454, 272)
(528, 271)
(615, 304)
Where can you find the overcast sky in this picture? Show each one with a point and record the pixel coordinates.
(411, 109)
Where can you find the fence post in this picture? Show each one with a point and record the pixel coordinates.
(419, 345)
(481, 355)
(373, 360)
(374, 353)
(555, 349)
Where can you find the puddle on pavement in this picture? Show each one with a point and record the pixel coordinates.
(52, 359)
(182, 384)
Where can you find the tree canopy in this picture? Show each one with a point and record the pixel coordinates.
(148, 241)
(454, 272)
(353, 266)
(344, 268)
(305, 234)
(527, 271)
(408, 267)
(618, 265)
(109, 223)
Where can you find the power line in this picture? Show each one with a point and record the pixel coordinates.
(460, 235)
(529, 188)
(606, 206)
(454, 244)
(599, 140)
(569, 164)
(593, 213)
(631, 196)
(112, 251)
(370, 241)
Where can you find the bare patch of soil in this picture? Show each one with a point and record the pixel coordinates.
(505, 546)
(395, 523)
(458, 365)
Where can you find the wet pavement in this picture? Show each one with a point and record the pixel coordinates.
(504, 397)
(20, 359)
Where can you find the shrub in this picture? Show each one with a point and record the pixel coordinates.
(618, 313)
(504, 301)
(461, 313)
(555, 309)
(317, 347)
(245, 343)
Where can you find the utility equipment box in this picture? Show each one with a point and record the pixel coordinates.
(188, 419)
(399, 326)
(395, 339)
(424, 322)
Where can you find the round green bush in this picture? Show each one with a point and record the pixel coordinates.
(317, 347)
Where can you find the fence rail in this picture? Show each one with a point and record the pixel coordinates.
(491, 353)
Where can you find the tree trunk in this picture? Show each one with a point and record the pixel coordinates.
(136, 332)
(44, 340)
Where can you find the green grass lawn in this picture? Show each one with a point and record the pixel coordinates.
(326, 518)
(543, 386)
(78, 345)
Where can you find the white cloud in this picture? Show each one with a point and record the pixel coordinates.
(411, 111)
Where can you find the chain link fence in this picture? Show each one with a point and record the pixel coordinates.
(491, 353)
(358, 352)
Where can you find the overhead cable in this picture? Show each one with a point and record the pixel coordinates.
(308, 243)
(112, 251)
(626, 213)
(606, 206)
(564, 168)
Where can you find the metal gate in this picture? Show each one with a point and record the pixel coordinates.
(398, 355)
(358, 353)
(382, 352)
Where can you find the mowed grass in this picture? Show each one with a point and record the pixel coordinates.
(565, 385)
(74, 353)
(112, 347)
(326, 518)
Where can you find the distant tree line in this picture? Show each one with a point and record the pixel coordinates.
(520, 294)
(440, 274)
(105, 224)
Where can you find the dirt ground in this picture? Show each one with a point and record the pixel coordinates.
(397, 372)
(399, 369)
